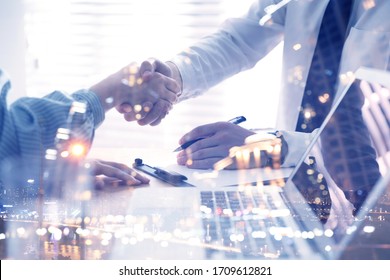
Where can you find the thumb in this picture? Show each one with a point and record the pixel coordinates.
(146, 67)
(163, 68)
(155, 65)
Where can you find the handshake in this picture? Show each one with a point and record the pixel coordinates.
(144, 93)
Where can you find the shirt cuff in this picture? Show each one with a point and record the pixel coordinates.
(94, 105)
(188, 76)
(298, 143)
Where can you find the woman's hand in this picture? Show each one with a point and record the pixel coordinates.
(113, 173)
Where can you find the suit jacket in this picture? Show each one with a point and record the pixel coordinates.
(241, 42)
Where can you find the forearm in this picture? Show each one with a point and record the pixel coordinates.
(238, 45)
(109, 90)
(32, 123)
(176, 76)
(30, 126)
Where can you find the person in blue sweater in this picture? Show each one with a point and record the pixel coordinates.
(31, 127)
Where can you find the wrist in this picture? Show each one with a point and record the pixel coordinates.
(108, 91)
(176, 75)
(284, 146)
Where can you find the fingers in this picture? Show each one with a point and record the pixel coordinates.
(119, 171)
(207, 158)
(157, 77)
(157, 87)
(127, 169)
(114, 172)
(150, 69)
(164, 69)
(153, 87)
(149, 114)
(129, 75)
(163, 100)
(205, 152)
(172, 86)
(147, 66)
(157, 113)
(164, 87)
(155, 65)
(124, 108)
(135, 113)
(203, 158)
(216, 141)
(202, 131)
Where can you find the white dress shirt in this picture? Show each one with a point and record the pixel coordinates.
(241, 42)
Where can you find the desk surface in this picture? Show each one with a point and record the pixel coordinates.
(87, 227)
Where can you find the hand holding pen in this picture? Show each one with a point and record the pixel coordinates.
(206, 144)
(185, 145)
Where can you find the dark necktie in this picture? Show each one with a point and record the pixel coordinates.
(322, 79)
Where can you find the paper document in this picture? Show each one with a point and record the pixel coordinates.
(210, 178)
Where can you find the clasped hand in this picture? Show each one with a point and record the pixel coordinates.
(218, 139)
(155, 93)
(107, 172)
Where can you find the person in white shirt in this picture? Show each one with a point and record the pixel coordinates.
(241, 42)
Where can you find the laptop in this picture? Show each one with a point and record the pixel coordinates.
(337, 193)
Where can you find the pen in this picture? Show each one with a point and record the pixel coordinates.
(236, 120)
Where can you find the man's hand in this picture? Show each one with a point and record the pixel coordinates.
(108, 172)
(219, 138)
(162, 77)
(138, 94)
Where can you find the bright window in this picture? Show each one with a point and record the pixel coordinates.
(73, 43)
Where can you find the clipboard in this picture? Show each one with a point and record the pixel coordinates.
(170, 177)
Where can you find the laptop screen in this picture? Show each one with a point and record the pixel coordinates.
(345, 172)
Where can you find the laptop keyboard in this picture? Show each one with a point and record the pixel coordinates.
(248, 224)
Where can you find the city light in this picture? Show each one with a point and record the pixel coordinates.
(77, 149)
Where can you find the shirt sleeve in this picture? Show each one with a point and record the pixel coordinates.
(29, 126)
(236, 46)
